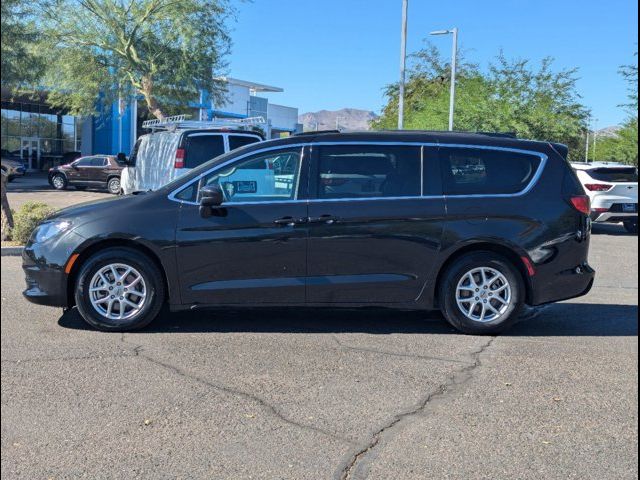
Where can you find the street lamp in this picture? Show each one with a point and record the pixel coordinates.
(454, 61)
(403, 61)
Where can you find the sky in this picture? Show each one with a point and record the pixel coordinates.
(332, 54)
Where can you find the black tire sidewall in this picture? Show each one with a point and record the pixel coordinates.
(147, 268)
(631, 227)
(109, 185)
(447, 293)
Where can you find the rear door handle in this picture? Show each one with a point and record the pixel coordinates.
(326, 219)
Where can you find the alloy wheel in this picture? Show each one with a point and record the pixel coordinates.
(117, 291)
(483, 294)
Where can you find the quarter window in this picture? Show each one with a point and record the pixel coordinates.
(202, 148)
(237, 141)
(475, 171)
(354, 171)
(267, 177)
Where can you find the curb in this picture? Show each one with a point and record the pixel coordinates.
(11, 251)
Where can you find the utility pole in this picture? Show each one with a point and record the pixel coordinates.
(586, 155)
(454, 63)
(403, 62)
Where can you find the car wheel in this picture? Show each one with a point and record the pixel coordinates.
(119, 289)
(113, 185)
(482, 293)
(631, 227)
(59, 182)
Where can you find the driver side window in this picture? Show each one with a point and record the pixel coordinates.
(266, 177)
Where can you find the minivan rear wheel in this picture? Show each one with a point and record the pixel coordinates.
(482, 293)
(119, 289)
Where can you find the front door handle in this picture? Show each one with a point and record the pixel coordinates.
(288, 222)
(326, 219)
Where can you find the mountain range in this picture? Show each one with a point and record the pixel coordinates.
(344, 119)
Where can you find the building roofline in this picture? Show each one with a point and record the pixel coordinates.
(256, 87)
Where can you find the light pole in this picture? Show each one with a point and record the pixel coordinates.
(595, 140)
(454, 61)
(403, 62)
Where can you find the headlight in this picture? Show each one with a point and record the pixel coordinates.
(49, 230)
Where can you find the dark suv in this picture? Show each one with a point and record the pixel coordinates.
(476, 225)
(96, 171)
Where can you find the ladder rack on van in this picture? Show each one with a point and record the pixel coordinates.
(181, 122)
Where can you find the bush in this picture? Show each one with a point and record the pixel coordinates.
(27, 218)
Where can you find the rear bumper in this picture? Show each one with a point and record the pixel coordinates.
(568, 284)
(613, 217)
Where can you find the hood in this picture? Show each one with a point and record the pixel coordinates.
(83, 212)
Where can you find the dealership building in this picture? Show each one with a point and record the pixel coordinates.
(43, 136)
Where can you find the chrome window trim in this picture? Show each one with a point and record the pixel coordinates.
(532, 183)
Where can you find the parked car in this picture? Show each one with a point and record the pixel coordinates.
(97, 171)
(12, 168)
(478, 244)
(613, 189)
(162, 156)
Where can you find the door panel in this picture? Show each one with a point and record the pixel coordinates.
(374, 251)
(379, 245)
(254, 250)
(243, 257)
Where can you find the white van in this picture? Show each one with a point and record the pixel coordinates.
(175, 147)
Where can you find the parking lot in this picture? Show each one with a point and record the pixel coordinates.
(322, 394)
(34, 187)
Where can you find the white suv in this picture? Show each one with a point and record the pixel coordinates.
(613, 189)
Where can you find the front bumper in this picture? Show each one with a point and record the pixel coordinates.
(44, 266)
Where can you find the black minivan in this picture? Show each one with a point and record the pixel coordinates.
(475, 225)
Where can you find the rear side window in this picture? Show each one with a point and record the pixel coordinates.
(202, 148)
(237, 141)
(475, 171)
(98, 162)
(350, 171)
(614, 175)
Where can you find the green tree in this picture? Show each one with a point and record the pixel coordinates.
(163, 50)
(510, 96)
(19, 66)
(623, 147)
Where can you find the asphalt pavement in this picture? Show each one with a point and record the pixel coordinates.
(325, 394)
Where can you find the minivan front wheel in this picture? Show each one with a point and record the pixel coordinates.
(482, 293)
(119, 289)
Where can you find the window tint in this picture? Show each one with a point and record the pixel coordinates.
(98, 161)
(475, 171)
(237, 141)
(264, 177)
(201, 148)
(84, 162)
(350, 171)
(620, 175)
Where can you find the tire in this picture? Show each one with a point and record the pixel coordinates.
(457, 281)
(113, 185)
(59, 181)
(631, 227)
(151, 285)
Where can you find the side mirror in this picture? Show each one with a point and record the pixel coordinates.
(211, 197)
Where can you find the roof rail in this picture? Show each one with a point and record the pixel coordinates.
(181, 122)
(315, 132)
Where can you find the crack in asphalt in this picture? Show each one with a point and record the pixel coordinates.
(65, 359)
(355, 467)
(232, 391)
(396, 354)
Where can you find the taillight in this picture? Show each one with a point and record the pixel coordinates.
(581, 203)
(598, 187)
(179, 163)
